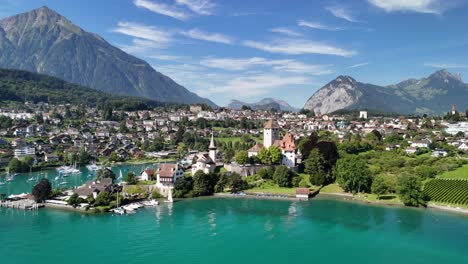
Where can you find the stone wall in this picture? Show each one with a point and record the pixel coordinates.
(247, 170)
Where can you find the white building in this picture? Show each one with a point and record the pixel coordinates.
(168, 174)
(421, 143)
(270, 133)
(206, 162)
(286, 145)
(363, 114)
(25, 152)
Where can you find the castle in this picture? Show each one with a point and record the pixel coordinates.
(271, 138)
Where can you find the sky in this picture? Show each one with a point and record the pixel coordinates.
(284, 49)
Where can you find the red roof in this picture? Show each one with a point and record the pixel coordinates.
(167, 170)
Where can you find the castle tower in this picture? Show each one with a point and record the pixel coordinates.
(212, 149)
(270, 133)
(454, 109)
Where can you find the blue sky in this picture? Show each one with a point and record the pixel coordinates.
(249, 50)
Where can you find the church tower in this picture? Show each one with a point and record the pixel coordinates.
(212, 149)
(270, 133)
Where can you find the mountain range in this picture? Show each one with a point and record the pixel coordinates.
(45, 42)
(264, 104)
(434, 94)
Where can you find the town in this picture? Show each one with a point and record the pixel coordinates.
(270, 152)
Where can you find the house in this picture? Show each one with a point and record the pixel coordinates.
(253, 151)
(25, 152)
(51, 158)
(439, 153)
(93, 188)
(168, 174)
(421, 143)
(463, 147)
(302, 193)
(411, 150)
(147, 174)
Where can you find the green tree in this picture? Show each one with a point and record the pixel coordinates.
(283, 176)
(131, 178)
(105, 173)
(382, 184)
(42, 190)
(263, 173)
(275, 154)
(104, 198)
(353, 174)
(242, 157)
(155, 194)
(74, 200)
(202, 184)
(237, 184)
(15, 165)
(183, 187)
(264, 156)
(410, 190)
(314, 166)
(84, 157)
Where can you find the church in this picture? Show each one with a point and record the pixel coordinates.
(286, 144)
(206, 162)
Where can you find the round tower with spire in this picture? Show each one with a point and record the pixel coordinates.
(212, 149)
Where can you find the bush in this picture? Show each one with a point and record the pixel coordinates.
(156, 195)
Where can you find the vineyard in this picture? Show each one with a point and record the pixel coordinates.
(454, 191)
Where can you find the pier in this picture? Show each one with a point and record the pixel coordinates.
(25, 204)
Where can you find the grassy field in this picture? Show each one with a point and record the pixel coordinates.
(385, 199)
(236, 139)
(460, 173)
(332, 188)
(272, 190)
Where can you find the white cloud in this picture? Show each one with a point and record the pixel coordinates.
(147, 36)
(341, 12)
(212, 37)
(286, 31)
(239, 64)
(298, 46)
(247, 86)
(446, 65)
(201, 7)
(418, 6)
(358, 65)
(165, 57)
(317, 25)
(163, 9)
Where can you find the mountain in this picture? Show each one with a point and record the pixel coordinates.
(45, 42)
(264, 104)
(23, 86)
(431, 95)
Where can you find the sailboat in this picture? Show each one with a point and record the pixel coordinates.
(2, 183)
(120, 175)
(31, 178)
(10, 178)
(119, 210)
(169, 197)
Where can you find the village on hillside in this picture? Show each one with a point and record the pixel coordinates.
(196, 151)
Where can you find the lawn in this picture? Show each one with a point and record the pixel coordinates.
(386, 199)
(460, 173)
(235, 139)
(272, 190)
(332, 188)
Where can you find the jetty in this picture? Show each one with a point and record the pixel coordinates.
(24, 204)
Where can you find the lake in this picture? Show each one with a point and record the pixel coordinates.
(217, 230)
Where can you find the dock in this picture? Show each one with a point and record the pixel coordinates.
(24, 204)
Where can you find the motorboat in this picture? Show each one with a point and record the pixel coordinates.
(119, 211)
(93, 167)
(151, 203)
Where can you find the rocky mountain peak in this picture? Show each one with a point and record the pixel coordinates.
(445, 76)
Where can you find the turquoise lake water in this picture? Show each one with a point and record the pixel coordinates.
(22, 185)
(214, 230)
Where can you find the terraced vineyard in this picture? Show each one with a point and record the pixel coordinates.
(454, 191)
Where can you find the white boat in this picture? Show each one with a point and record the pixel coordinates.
(128, 209)
(93, 167)
(119, 211)
(120, 175)
(169, 197)
(151, 203)
(2, 183)
(31, 179)
(63, 183)
(10, 179)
